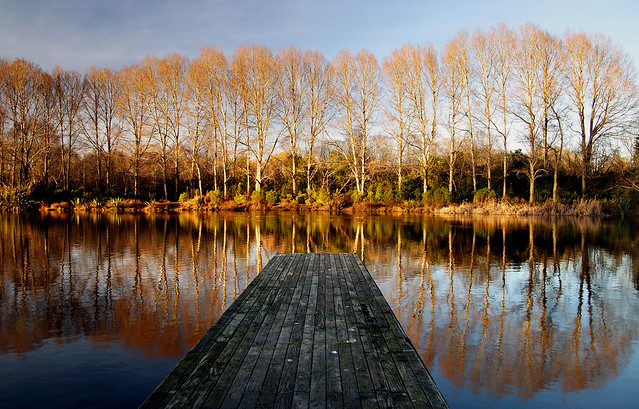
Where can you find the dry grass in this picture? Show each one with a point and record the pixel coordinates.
(591, 208)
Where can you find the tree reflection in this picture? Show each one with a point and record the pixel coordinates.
(501, 305)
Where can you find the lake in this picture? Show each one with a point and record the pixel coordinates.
(96, 309)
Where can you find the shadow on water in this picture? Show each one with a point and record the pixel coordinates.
(501, 309)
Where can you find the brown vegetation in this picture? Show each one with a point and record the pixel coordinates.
(387, 136)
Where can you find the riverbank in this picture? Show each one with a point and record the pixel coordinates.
(582, 208)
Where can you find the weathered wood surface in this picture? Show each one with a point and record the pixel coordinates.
(310, 331)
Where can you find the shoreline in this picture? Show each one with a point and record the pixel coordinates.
(582, 208)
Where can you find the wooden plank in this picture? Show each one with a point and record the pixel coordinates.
(357, 338)
(204, 359)
(290, 374)
(302, 389)
(318, 366)
(418, 382)
(310, 331)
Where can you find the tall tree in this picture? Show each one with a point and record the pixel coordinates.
(159, 114)
(92, 106)
(199, 121)
(292, 101)
(50, 130)
(173, 69)
(602, 86)
(527, 97)
(424, 83)
(319, 93)
(460, 48)
(102, 89)
(133, 108)
(166, 82)
(396, 77)
(486, 70)
(453, 90)
(502, 45)
(550, 86)
(357, 93)
(258, 93)
(21, 88)
(4, 64)
(69, 86)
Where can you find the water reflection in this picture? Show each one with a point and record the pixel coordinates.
(496, 306)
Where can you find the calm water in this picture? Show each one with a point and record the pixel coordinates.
(506, 312)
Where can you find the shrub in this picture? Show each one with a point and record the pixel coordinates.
(439, 197)
(321, 195)
(625, 202)
(411, 203)
(301, 198)
(240, 198)
(485, 195)
(384, 193)
(16, 198)
(116, 203)
(271, 197)
(184, 196)
(257, 197)
(214, 197)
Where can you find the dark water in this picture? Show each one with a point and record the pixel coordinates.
(505, 312)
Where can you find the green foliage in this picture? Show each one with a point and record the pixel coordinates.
(240, 198)
(116, 202)
(214, 197)
(384, 192)
(323, 196)
(184, 196)
(301, 198)
(343, 201)
(271, 197)
(625, 202)
(485, 195)
(412, 188)
(439, 197)
(257, 197)
(14, 198)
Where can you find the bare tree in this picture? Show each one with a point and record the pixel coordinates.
(69, 87)
(424, 83)
(602, 88)
(166, 80)
(101, 94)
(550, 85)
(453, 91)
(91, 125)
(21, 89)
(502, 45)
(158, 112)
(49, 131)
(357, 92)
(549, 81)
(527, 97)
(396, 75)
(260, 99)
(486, 69)
(292, 100)
(4, 68)
(319, 92)
(133, 108)
(460, 48)
(200, 121)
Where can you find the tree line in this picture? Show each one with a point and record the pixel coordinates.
(294, 121)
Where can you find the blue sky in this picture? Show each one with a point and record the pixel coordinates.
(78, 34)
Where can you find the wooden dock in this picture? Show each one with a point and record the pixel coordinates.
(310, 331)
